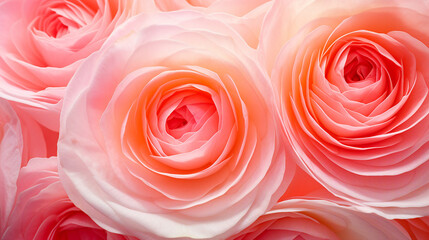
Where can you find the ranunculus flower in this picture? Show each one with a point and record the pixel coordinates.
(44, 41)
(43, 211)
(418, 228)
(11, 145)
(352, 79)
(170, 131)
(320, 220)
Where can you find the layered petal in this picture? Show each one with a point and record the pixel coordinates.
(11, 147)
(320, 219)
(43, 211)
(418, 228)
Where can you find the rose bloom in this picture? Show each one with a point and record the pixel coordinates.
(320, 219)
(44, 41)
(43, 211)
(170, 131)
(352, 80)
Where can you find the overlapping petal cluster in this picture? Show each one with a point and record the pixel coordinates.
(43, 211)
(320, 219)
(214, 119)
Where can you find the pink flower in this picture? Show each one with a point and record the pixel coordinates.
(352, 80)
(320, 219)
(42, 210)
(170, 131)
(44, 41)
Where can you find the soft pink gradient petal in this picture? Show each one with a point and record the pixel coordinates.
(245, 16)
(43, 211)
(320, 219)
(11, 147)
(235, 7)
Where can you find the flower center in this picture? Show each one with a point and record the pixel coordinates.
(359, 70)
(185, 112)
(61, 18)
(179, 118)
